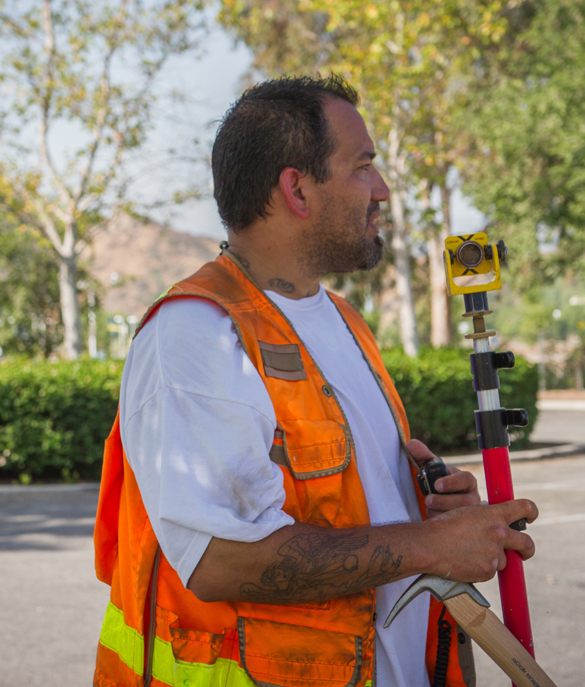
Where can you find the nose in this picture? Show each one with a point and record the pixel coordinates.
(380, 190)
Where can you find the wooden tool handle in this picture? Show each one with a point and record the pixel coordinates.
(498, 642)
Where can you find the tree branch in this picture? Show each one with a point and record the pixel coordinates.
(46, 225)
(103, 110)
(97, 129)
(49, 50)
(89, 237)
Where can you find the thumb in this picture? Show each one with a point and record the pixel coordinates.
(419, 451)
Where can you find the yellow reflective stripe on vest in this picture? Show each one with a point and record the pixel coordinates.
(127, 642)
(163, 662)
(223, 673)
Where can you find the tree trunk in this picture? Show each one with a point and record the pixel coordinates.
(440, 302)
(400, 250)
(70, 308)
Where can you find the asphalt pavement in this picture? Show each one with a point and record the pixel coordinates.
(555, 577)
(52, 605)
(558, 424)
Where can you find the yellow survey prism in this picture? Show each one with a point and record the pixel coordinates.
(468, 257)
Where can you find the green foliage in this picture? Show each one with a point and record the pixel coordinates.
(30, 321)
(525, 161)
(54, 417)
(437, 391)
(554, 310)
(30, 316)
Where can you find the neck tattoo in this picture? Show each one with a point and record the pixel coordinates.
(245, 263)
(281, 285)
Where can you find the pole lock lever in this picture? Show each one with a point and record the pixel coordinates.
(515, 417)
(504, 360)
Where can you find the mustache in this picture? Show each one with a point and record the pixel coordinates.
(373, 207)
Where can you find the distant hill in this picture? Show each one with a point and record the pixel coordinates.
(136, 261)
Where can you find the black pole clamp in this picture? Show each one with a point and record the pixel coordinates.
(485, 366)
(492, 425)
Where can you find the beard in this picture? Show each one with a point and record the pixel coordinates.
(337, 242)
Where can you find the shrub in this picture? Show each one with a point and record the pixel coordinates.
(437, 391)
(54, 417)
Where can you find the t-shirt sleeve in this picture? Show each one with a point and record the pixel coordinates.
(197, 426)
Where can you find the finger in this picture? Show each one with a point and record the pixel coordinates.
(419, 451)
(521, 542)
(502, 561)
(447, 502)
(457, 482)
(518, 509)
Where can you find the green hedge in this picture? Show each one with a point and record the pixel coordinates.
(437, 391)
(54, 417)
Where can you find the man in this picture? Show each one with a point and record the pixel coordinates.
(257, 486)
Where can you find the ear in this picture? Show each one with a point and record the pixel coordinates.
(293, 185)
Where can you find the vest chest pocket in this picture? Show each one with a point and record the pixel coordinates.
(280, 655)
(282, 361)
(311, 449)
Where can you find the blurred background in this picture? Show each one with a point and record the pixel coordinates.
(107, 117)
(108, 111)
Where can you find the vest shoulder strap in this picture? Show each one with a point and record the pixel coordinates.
(220, 281)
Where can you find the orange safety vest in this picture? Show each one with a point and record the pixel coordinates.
(156, 632)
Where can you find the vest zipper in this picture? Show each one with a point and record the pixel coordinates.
(152, 620)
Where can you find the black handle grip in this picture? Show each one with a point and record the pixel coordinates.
(431, 471)
(519, 525)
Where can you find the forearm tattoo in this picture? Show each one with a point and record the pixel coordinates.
(316, 567)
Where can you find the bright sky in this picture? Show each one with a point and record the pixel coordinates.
(212, 82)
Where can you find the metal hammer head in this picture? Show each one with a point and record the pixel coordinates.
(440, 588)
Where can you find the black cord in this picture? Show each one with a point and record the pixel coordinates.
(443, 647)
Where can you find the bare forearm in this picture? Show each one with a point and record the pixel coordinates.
(304, 563)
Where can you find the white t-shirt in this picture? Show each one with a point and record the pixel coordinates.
(191, 394)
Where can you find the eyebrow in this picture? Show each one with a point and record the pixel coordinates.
(367, 154)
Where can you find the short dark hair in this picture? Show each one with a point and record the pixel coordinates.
(274, 125)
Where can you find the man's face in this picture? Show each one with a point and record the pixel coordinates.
(343, 236)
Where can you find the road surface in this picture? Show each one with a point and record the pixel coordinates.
(52, 605)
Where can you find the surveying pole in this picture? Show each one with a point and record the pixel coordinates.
(469, 260)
